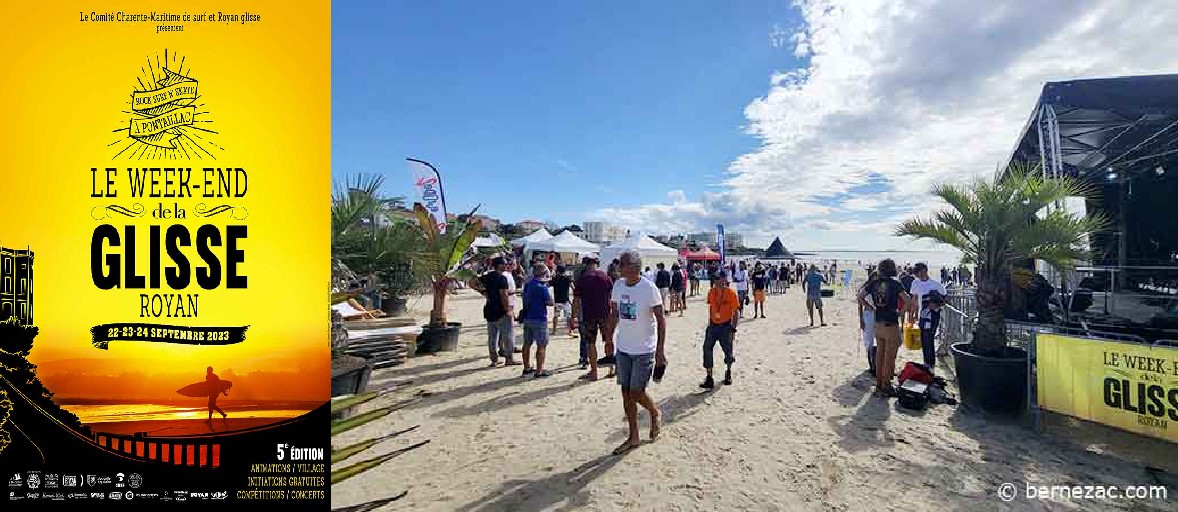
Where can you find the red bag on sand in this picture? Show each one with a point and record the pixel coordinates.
(915, 371)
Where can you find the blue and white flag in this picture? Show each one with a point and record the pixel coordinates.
(428, 182)
(720, 242)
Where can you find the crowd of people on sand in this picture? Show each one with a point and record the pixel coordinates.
(626, 305)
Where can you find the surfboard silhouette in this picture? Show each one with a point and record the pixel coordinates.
(201, 389)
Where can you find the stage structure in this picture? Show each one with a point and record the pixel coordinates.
(1121, 136)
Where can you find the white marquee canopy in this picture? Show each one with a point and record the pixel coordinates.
(651, 251)
(565, 242)
(536, 236)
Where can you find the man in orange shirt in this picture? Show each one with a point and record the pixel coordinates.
(723, 305)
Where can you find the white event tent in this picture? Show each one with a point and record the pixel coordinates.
(536, 236)
(651, 251)
(564, 243)
(492, 240)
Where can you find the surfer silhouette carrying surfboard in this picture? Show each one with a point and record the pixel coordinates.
(215, 388)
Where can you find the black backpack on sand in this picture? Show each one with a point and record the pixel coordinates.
(913, 394)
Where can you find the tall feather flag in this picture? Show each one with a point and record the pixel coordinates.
(428, 182)
(720, 242)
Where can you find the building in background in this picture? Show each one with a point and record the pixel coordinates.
(676, 241)
(530, 226)
(734, 240)
(489, 223)
(731, 240)
(603, 232)
(16, 285)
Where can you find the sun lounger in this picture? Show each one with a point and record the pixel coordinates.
(380, 323)
(348, 312)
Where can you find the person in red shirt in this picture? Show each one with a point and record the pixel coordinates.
(591, 295)
(723, 305)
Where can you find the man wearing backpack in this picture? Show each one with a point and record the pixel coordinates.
(885, 294)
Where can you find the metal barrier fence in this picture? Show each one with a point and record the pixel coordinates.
(958, 318)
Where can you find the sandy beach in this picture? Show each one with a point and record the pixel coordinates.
(798, 430)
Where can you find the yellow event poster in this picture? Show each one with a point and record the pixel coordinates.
(1126, 385)
(163, 330)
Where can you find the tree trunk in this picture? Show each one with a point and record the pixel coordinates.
(990, 335)
(437, 317)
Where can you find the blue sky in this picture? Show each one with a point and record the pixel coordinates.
(825, 122)
(582, 107)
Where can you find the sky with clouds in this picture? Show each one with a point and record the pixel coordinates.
(828, 124)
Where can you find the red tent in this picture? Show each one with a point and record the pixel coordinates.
(703, 254)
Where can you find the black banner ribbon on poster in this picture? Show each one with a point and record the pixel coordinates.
(184, 335)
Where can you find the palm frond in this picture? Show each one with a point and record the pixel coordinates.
(353, 201)
(469, 232)
(427, 224)
(932, 229)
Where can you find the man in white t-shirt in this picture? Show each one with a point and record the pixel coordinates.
(929, 315)
(740, 281)
(639, 337)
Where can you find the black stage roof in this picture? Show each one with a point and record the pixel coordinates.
(1126, 123)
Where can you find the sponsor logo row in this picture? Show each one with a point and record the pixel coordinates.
(118, 495)
(34, 480)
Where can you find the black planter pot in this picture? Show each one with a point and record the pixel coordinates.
(349, 375)
(994, 384)
(438, 339)
(394, 306)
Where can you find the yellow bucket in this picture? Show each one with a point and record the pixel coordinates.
(911, 337)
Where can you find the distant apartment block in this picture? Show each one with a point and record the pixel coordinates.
(671, 240)
(603, 232)
(702, 238)
(489, 224)
(709, 239)
(16, 285)
(530, 226)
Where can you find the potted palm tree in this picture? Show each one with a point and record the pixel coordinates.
(361, 245)
(995, 224)
(370, 243)
(441, 266)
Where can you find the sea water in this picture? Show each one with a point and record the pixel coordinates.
(934, 259)
(931, 258)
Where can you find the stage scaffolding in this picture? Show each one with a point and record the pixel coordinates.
(1113, 133)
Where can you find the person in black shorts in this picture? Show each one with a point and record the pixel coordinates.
(562, 305)
(677, 302)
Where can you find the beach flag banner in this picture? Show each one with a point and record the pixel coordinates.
(720, 242)
(428, 183)
(142, 348)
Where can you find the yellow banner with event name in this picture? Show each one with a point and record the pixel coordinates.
(1125, 385)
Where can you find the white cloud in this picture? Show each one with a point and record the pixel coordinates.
(917, 92)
